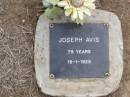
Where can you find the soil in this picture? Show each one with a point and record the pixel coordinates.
(18, 20)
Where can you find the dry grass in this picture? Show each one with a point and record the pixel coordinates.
(17, 29)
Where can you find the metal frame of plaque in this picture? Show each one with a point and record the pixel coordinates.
(79, 51)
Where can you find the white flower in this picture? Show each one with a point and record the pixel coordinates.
(77, 8)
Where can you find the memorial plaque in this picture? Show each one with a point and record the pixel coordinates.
(79, 51)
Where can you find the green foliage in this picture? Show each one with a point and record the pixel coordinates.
(53, 2)
(53, 12)
(45, 3)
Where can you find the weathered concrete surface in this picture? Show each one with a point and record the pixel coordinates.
(79, 87)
